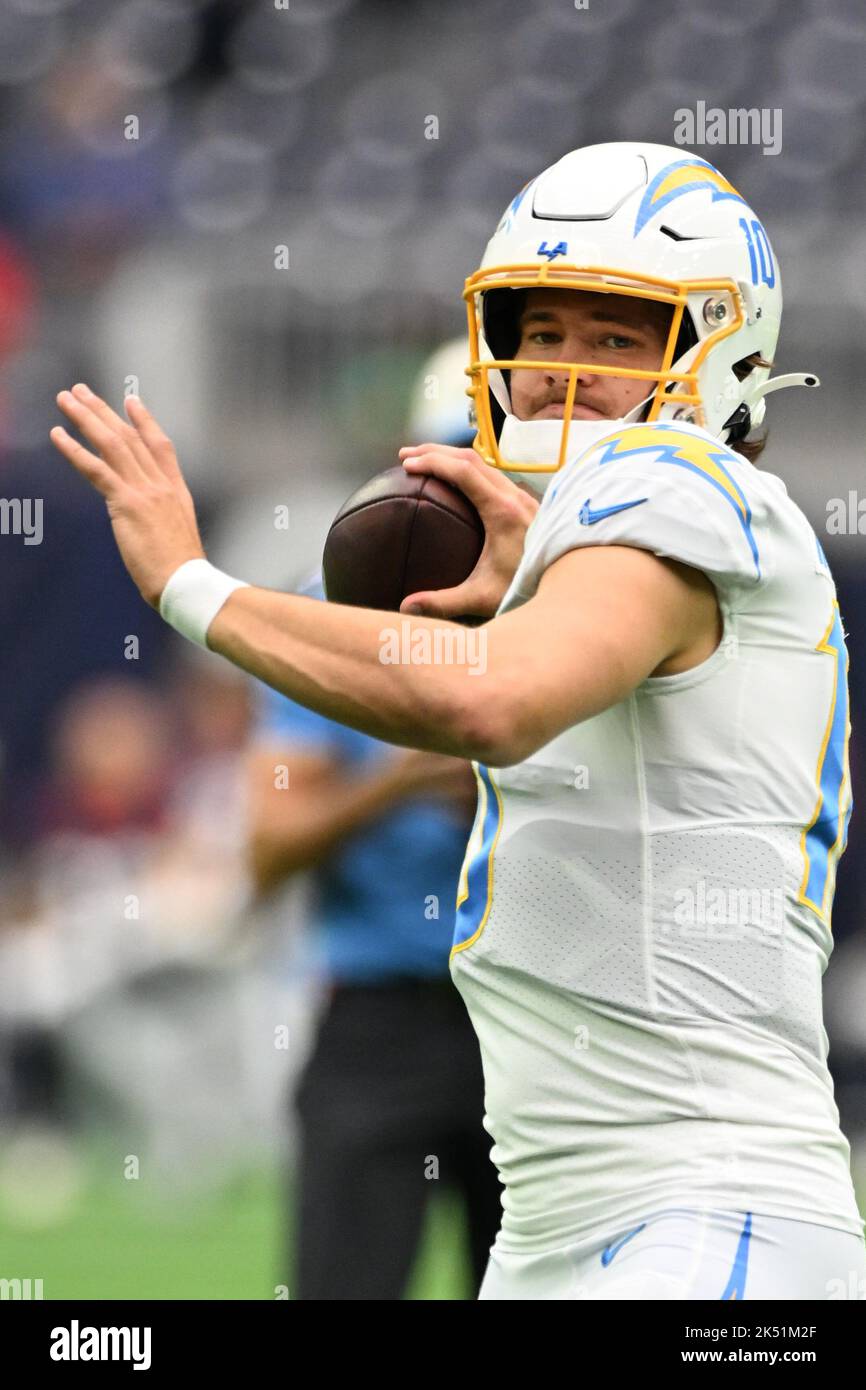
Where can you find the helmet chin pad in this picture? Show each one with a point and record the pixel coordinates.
(536, 445)
(539, 442)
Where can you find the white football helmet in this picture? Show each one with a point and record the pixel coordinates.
(651, 221)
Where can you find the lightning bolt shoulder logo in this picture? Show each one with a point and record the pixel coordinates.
(709, 460)
(588, 517)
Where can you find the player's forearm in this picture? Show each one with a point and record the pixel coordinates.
(339, 661)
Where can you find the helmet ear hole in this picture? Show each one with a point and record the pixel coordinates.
(748, 364)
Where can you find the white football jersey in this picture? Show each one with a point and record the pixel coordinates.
(644, 908)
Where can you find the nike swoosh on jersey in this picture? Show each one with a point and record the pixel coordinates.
(588, 517)
(610, 1251)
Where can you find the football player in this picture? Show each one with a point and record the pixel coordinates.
(660, 738)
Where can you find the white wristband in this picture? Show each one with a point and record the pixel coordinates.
(194, 595)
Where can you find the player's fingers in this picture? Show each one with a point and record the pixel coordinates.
(111, 446)
(430, 446)
(429, 449)
(153, 435)
(121, 427)
(501, 504)
(464, 600)
(98, 474)
(448, 456)
(470, 475)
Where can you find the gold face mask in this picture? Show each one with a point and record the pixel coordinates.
(679, 390)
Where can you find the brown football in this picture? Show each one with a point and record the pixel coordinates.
(399, 533)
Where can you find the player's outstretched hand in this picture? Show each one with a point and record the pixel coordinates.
(136, 470)
(505, 510)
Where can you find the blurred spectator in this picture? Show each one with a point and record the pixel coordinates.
(79, 174)
(110, 773)
(133, 901)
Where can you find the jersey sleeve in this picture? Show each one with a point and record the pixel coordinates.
(678, 493)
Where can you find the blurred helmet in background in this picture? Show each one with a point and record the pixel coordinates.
(439, 410)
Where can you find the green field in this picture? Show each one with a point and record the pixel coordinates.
(104, 1238)
(111, 1244)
